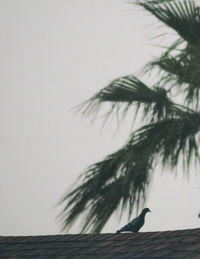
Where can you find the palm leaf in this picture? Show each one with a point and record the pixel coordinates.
(129, 90)
(182, 16)
(184, 70)
(128, 170)
(99, 192)
(172, 138)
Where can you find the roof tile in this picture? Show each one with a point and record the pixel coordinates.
(167, 244)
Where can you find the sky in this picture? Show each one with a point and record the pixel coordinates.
(55, 54)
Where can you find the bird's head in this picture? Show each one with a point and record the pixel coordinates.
(146, 210)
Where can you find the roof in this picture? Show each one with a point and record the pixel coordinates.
(167, 244)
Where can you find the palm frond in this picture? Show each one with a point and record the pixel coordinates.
(172, 138)
(171, 133)
(182, 69)
(122, 178)
(129, 90)
(182, 16)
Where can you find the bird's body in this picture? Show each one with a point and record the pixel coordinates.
(135, 224)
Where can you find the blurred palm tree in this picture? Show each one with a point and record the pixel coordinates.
(169, 129)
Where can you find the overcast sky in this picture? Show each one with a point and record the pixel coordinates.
(55, 54)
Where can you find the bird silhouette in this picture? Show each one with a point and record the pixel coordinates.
(135, 224)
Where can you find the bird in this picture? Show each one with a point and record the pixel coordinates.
(135, 224)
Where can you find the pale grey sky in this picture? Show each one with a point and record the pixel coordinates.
(55, 54)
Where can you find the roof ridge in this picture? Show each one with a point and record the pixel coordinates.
(101, 234)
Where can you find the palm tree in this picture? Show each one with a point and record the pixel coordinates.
(170, 110)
